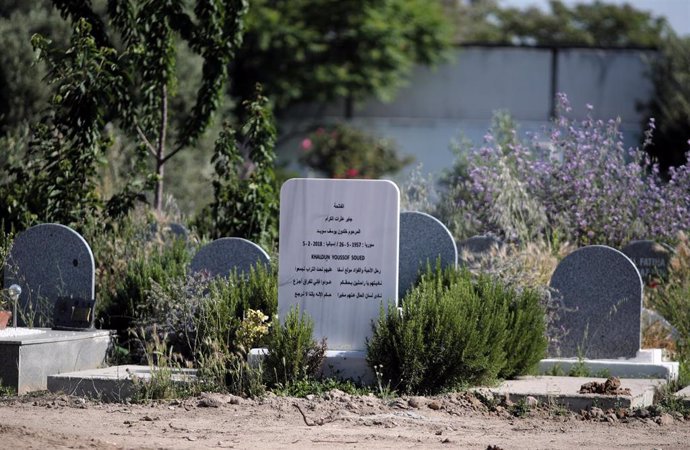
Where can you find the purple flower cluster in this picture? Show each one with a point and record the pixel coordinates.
(580, 179)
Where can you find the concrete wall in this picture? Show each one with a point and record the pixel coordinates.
(459, 98)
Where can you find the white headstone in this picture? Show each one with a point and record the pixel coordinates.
(338, 255)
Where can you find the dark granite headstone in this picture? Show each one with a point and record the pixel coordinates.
(423, 239)
(650, 258)
(73, 314)
(476, 247)
(172, 229)
(49, 261)
(601, 291)
(222, 256)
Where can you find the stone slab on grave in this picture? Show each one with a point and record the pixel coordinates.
(650, 258)
(49, 261)
(423, 240)
(116, 383)
(339, 243)
(601, 297)
(565, 392)
(222, 256)
(29, 355)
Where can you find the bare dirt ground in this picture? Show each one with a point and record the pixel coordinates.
(333, 421)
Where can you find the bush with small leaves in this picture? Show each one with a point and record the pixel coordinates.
(457, 329)
(293, 354)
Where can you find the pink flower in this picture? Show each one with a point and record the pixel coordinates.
(306, 144)
(351, 173)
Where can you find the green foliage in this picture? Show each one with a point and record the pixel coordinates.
(293, 354)
(22, 93)
(671, 299)
(304, 50)
(245, 201)
(128, 297)
(342, 151)
(211, 324)
(56, 181)
(526, 343)
(147, 32)
(455, 329)
(670, 104)
(166, 380)
(520, 409)
(584, 24)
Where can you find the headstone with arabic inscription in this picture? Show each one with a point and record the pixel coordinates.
(338, 255)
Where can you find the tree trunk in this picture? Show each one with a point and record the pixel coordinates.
(160, 150)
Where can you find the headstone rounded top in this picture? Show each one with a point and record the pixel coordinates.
(479, 244)
(287, 185)
(651, 258)
(423, 240)
(222, 256)
(602, 298)
(49, 261)
(477, 247)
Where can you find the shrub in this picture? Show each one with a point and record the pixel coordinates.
(672, 300)
(211, 324)
(577, 181)
(245, 194)
(197, 313)
(457, 329)
(526, 268)
(128, 299)
(293, 354)
(342, 151)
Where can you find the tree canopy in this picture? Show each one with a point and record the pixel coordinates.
(597, 24)
(305, 50)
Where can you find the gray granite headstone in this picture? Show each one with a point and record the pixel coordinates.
(477, 246)
(172, 229)
(423, 239)
(222, 256)
(601, 291)
(49, 261)
(650, 258)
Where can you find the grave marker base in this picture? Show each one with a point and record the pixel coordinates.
(340, 364)
(648, 363)
(26, 360)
